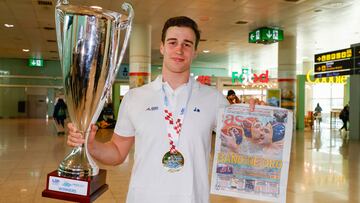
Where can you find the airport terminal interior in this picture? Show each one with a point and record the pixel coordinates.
(295, 54)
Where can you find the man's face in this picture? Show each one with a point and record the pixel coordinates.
(178, 49)
(261, 134)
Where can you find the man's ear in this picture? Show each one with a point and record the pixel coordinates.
(195, 54)
(161, 48)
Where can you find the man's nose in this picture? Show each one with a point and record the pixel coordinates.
(179, 49)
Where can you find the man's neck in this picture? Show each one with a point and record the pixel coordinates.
(175, 80)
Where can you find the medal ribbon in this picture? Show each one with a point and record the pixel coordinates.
(174, 126)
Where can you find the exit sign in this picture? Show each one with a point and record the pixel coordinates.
(266, 35)
(36, 62)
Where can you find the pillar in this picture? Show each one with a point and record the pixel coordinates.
(140, 55)
(354, 116)
(287, 73)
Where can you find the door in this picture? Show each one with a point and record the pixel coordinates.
(37, 107)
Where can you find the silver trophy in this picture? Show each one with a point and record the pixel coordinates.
(92, 43)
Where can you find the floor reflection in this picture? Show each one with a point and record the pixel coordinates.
(324, 165)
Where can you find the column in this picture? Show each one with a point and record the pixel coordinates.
(287, 72)
(354, 116)
(140, 55)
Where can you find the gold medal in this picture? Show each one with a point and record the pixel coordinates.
(173, 162)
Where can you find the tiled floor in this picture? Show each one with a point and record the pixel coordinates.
(323, 168)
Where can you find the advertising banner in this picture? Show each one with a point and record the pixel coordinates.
(273, 97)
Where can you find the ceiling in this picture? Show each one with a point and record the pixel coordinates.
(319, 26)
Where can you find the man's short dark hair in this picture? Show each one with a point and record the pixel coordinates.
(181, 21)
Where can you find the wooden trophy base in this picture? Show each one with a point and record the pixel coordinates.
(77, 190)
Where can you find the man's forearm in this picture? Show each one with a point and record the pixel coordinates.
(106, 153)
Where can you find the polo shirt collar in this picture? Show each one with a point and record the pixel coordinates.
(157, 83)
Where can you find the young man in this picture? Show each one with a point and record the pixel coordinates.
(171, 126)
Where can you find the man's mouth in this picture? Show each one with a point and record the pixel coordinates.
(178, 59)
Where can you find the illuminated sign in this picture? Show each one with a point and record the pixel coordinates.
(331, 79)
(337, 63)
(246, 76)
(334, 66)
(334, 55)
(333, 74)
(266, 35)
(35, 62)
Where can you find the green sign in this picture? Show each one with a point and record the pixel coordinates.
(36, 62)
(266, 35)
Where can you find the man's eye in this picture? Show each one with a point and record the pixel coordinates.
(188, 45)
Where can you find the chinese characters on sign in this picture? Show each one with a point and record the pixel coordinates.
(337, 63)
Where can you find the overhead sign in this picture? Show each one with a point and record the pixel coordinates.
(35, 62)
(266, 35)
(342, 79)
(336, 63)
(334, 55)
(333, 74)
(334, 66)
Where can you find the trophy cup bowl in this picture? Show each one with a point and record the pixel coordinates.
(90, 51)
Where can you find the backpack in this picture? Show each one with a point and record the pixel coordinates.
(342, 114)
(61, 112)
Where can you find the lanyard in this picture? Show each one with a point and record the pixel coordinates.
(174, 125)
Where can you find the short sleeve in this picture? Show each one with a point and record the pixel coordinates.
(124, 126)
(222, 102)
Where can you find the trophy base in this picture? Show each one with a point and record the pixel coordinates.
(82, 190)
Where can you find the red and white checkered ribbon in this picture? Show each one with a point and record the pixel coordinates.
(176, 128)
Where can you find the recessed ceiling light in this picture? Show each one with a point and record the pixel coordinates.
(96, 7)
(25, 50)
(9, 25)
(241, 22)
(334, 5)
(49, 28)
(206, 51)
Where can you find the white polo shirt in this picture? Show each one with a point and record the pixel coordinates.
(141, 115)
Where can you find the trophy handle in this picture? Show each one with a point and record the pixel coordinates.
(59, 20)
(124, 25)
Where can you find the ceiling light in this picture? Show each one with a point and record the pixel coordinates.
(96, 7)
(49, 28)
(241, 22)
(8, 25)
(25, 50)
(206, 51)
(334, 5)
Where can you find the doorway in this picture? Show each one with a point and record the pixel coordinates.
(37, 107)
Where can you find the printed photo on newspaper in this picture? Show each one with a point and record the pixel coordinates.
(252, 152)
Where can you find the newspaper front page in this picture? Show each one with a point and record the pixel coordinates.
(252, 152)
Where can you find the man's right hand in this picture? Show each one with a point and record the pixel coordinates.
(76, 138)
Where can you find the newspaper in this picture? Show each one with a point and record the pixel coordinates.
(252, 152)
